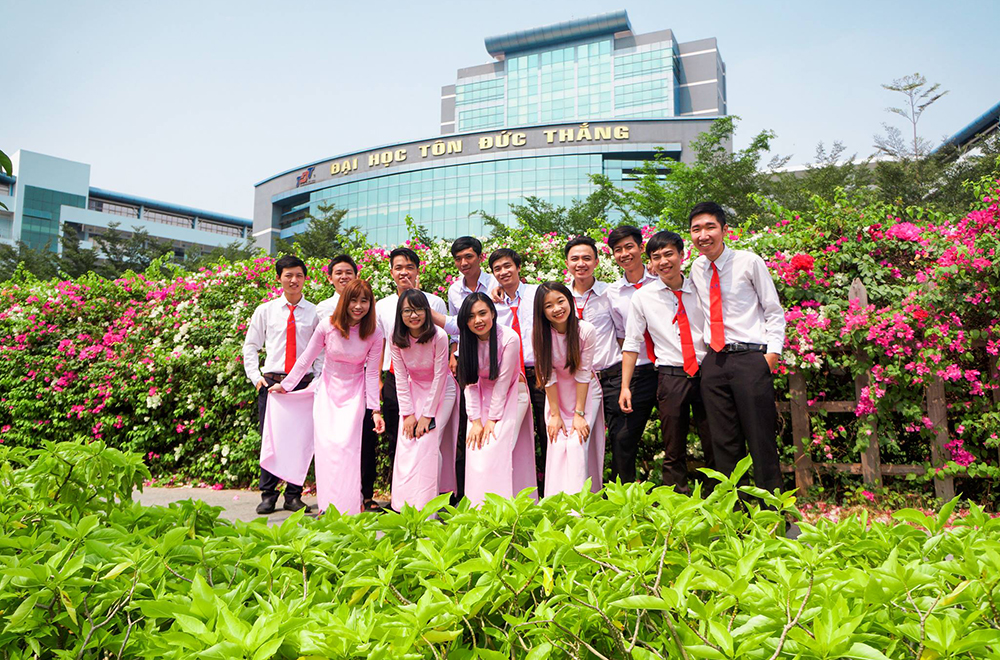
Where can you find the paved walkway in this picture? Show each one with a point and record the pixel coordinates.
(236, 504)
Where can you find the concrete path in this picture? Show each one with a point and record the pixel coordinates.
(236, 504)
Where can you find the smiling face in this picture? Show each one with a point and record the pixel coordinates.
(581, 262)
(467, 261)
(628, 254)
(556, 308)
(291, 280)
(358, 308)
(341, 274)
(404, 273)
(506, 273)
(480, 320)
(413, 317)
(707, 234)
(666, 263)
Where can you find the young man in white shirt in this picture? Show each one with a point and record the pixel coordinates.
(515, 303)
(593, 304)
(626, 248)
(283, 327)
(744, 330)
(667, 311)
(404, 267)
(341, 271)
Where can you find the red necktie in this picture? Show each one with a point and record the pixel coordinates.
(715, 307)
(290, 340)
(650, 353)
(516, 325)
(687, 345)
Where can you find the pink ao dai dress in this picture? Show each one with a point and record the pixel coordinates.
(505, 464)
(568, 462)
(424, 466)
(348, 385)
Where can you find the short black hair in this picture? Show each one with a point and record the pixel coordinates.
(662, 239)
(580, 240)
(343, 259)
(290, 261)
(505, 253)
(466, 242)
(711, 208)
(621, 233)
(407, 253)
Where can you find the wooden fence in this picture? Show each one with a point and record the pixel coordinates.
(871, 467)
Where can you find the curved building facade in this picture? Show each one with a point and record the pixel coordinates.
(559, 104)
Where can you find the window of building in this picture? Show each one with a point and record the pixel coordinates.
(220, 228)
(478, 118)
(643, 93)
(642, 64)
(40, 221)
(113, 208)
(6, 225)
(5, 188)
(164, 218)
(477, 92)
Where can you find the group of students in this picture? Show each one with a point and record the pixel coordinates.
(465, 390)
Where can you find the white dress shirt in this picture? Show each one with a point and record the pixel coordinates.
(596, 306)
(621, 292)
(385, 317)
(524, 299)
(268, 327)
(654, 309)
(751, 311)
(325, 309)
(458, 292)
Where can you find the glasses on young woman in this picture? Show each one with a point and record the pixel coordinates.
(408, 311)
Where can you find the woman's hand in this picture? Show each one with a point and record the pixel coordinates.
(277, 389)
(409, 426)
(422, 427)
(488, 431)
(474, 438)
(379, 422)
(554, 426)
(581, 427)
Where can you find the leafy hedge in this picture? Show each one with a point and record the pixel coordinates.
(150, 362)
(635, 572)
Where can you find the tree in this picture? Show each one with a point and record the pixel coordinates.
(120, 253)
(42, 263)
(919, 97)
(828, 172)
(74, 260)
(235, 251)
(325, 235)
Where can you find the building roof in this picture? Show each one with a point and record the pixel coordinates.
(981, 125)
(170, 208)
(548, 35)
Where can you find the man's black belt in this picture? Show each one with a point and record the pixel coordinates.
(677, 371)
(738, 347)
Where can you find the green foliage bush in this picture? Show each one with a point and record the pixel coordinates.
(633, 572)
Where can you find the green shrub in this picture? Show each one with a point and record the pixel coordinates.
(634, 572)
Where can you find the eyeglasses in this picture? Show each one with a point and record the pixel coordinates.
(406, 311)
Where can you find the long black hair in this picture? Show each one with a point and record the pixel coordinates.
(400, 333)
(541, 334)
(468, 342)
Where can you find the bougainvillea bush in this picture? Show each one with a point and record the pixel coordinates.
(634, 572)
(151, 362)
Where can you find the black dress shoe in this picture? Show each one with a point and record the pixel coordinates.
(296, 503)
(267, 503)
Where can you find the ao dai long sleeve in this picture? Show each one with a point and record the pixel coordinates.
(421, 363)
(509, 356)
(349, 353)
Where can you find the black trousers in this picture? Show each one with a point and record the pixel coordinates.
(625, 430)
(537, 397)
(390, 413)
(269, 482)
(738, 391)
(463, 421)
(678, 400)
(369, 456)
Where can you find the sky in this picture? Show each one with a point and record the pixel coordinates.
(195, 102)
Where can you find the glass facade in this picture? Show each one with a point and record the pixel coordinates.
(40, 220)
(447, 200)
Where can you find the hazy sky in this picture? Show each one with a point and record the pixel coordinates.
(194, 102)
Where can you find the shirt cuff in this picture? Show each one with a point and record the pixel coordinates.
(775, 348)
(630, 346)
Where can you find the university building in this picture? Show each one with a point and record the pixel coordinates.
(556, 105)
(46, 193)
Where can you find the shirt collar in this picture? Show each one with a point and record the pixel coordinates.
(721, 262)
(518, 295)
(598, 288)
(482, 281)
(283, 301)
(646, 278)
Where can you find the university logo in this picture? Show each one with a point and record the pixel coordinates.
(305, 177)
